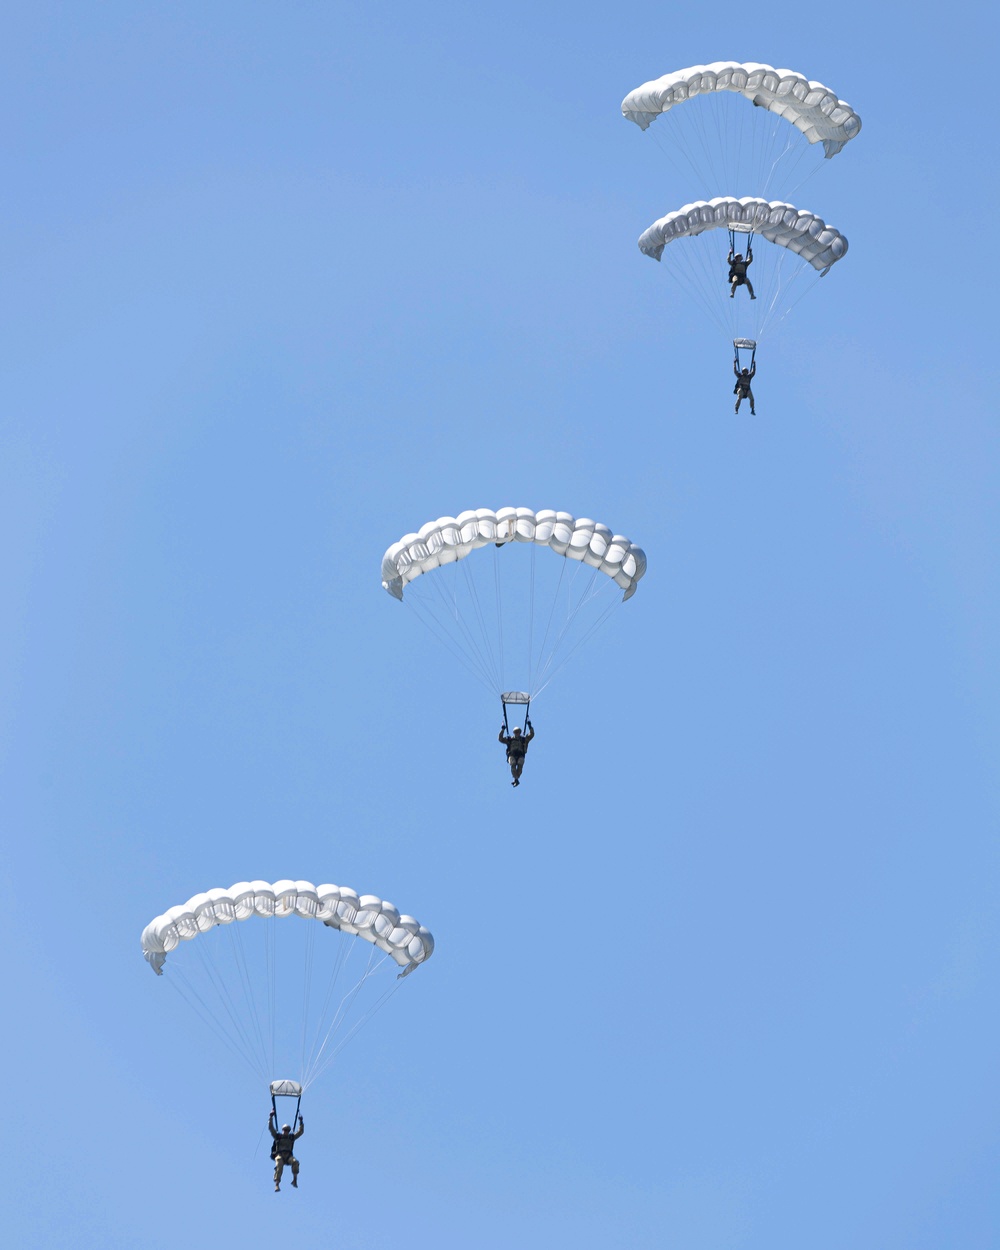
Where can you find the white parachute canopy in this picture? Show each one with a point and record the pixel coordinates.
(743, 124)
(513, 593)
(283, 994)
(791, 247)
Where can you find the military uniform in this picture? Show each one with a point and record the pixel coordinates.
(282, 1152)
(517, 746)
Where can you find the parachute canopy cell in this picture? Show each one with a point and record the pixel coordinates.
(801, 232)
(366, 916)
(449, 539)
(809, 106)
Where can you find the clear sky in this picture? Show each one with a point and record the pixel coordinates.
(281, 282)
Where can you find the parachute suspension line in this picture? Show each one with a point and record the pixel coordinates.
(336, 1017)
(531, 623)
(499, 608)
(341, 952)
(319, 1064)
(811, 171)
(720, 133)
(710, 277)
(774, 161)
(766, 158)
(479, 650)
(235, 1039)
(711, 114)
(392, 988)
(310, 946)
(270, 966)
(222, 989)
(798, 298)
(475, 656)
(758, 147)
(734, 147)
(375, 1007)
(696, 130)
(694, 273)
(695, 290)
(425, 613)
(789, 274)
(208, 1017)
(571, 610)
(669, 153)
(595, 627)
(480, 617)
(777, 285)
(781, 153)
(243, 970)
(548, 623)
(789, 159)
(744, 176)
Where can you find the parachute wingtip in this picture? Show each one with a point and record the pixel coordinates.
(156, 960)
(394, 588)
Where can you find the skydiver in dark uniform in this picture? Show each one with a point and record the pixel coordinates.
(738, 272)
(517, 747)
(742, 389)
(282, 1149)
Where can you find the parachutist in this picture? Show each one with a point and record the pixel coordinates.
(282, 1149)
(742, 389)
(738, 272)
(517, 747)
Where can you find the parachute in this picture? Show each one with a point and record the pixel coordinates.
(799, 231)
(513, 610)
(729, 144)
(797, 241)
(285, 996)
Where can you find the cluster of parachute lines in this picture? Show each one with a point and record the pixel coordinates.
(285, 973)
(744, 137)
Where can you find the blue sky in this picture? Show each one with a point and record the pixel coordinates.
(283, 282)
